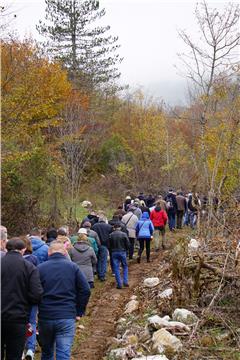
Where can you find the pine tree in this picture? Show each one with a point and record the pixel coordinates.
(86, 51)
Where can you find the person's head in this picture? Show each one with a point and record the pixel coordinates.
(82, 237)
(102, 218)
(36, 232)
(87, 225)
(158, 204)
(63, 230)
(28, 245)
(3, 234)
(145, 216)
(52, 233)
(142, 202)
(56, 247)
(117, 226)
(16, 244)
(83, 231)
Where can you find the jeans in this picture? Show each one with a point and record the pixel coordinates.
(180, 214)
(120, 257)
(193, 219)
(31, 340)
(13, 337)
(148, 242)
(171, 220)
(59, 333)
(102, 262)
(131, 248)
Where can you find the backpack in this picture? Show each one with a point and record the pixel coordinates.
(169, 203)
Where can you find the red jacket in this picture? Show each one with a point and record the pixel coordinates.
(158, 217)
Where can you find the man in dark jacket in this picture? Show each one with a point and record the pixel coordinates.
(171, 209)
(103, 230)
(21, 288)
(118, 247)
(66, 294)
(181, 208)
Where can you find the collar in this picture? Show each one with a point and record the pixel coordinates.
(56, 255)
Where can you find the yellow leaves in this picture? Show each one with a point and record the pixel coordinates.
(33, 88)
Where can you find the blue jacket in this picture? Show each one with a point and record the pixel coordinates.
(65, 289)
(144, 227)
(40, 249)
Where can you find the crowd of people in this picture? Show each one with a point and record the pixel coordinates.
(47, 277)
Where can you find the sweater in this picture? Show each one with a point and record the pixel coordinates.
(66, 290)
(20, 287)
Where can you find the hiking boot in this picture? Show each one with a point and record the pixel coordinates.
(119, 287)
(139, 260)
(148, 260)
(29, 355)
(126, 285)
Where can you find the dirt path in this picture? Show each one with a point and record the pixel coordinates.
(105, 307)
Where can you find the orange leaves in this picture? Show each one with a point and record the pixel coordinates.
(33, 88)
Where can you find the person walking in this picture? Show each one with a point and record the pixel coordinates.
(118, 247)
(30, 345)
(159, 219)
(66, 294)
(144, 231)
(171, 209)
(181, 208)
(40, 249)
(130, 220)
(20, 289)
(84, 256)
(103, 230)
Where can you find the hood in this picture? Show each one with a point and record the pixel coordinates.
(36, 243)
(145, 216)
(81, 246)
(158, 208)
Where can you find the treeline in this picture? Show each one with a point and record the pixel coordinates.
(69, 131)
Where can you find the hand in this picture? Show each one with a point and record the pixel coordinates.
(78, 318)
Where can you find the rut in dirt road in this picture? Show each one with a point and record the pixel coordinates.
(105, 307)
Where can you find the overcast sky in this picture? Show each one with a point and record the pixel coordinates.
(147, 31)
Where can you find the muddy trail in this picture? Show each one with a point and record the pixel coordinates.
(105, 307)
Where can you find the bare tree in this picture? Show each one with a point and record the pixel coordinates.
(212, 58)
(210, 62)
(76, 139)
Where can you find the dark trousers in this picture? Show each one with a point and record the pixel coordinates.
(180, 214)
(147, 242)
(131, 248)
(13, 336)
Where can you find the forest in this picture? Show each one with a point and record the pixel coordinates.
(70, 133)
(69, 130)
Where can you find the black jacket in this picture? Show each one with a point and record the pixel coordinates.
(103, 230)
(117, 221)
(118, 241)
(21, 287)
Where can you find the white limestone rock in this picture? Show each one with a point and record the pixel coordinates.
(166, 294)
(151, 282)
(164, 341)
(193, 246)
(131, 306)
(185, 316)
(156, 322)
